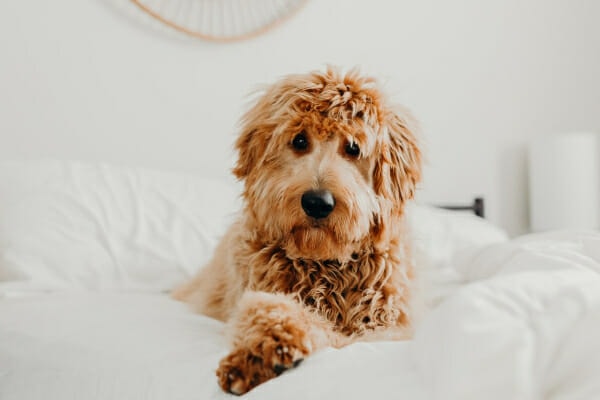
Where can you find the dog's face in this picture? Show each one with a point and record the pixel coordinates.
(325, 164)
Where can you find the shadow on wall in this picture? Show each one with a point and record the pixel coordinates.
(513, 189)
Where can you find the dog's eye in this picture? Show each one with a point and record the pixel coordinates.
(352, 149)
(300, 142)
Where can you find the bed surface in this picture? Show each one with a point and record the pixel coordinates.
(522, 322)
(147, 346)
(88, 252)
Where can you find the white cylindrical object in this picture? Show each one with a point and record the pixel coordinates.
(564, 181)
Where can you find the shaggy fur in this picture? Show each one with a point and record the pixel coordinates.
(289, 284)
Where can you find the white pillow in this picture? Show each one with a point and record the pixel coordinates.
(68, 225)
(438, 235)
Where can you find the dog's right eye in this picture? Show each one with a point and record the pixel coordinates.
(300, 142)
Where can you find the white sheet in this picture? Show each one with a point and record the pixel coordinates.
(524, 323)
(141, 346)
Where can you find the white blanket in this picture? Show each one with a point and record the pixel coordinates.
(524, 323)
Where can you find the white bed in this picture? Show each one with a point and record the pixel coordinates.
(88, 252)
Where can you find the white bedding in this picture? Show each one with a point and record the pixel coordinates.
(141, 346)
(87, 251)
(523, 323)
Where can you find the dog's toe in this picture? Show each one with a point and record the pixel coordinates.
(235, 381)
(286, 357)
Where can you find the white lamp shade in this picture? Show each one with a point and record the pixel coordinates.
(564, 181)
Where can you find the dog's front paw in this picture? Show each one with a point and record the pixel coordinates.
(241, 370)
(248, 367)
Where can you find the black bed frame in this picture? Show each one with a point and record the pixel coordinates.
(477, 207)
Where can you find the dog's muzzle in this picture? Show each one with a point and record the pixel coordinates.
(318, 203)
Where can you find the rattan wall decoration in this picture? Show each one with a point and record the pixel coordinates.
(221, 20)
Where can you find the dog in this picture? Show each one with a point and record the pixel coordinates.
(319, 255)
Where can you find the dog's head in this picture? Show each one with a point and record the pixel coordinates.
(326, 163)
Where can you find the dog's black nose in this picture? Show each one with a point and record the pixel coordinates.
(318, 203)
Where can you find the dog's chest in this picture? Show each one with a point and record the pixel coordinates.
(357, 296)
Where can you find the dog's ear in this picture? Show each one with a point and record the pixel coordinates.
(398, 167)
(251, 143)
(248, 150)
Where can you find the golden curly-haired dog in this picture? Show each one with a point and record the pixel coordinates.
(318, 257)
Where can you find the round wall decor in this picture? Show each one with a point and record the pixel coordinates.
(221, 20)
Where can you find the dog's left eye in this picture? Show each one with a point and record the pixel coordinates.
(300, 142)
(352, 149)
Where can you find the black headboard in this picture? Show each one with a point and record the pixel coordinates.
(477, 207)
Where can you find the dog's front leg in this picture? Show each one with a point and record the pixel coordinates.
(270, 333)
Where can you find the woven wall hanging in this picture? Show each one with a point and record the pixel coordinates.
(221, 20)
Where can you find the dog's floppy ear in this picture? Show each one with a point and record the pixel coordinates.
(398, 168)
(248, 148)
(253, 138)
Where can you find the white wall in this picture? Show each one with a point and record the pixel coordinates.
(80, 79)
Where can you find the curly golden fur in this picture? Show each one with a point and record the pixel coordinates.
(289, 282)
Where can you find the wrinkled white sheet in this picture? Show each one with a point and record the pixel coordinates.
(522, 323)
(525, 323)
